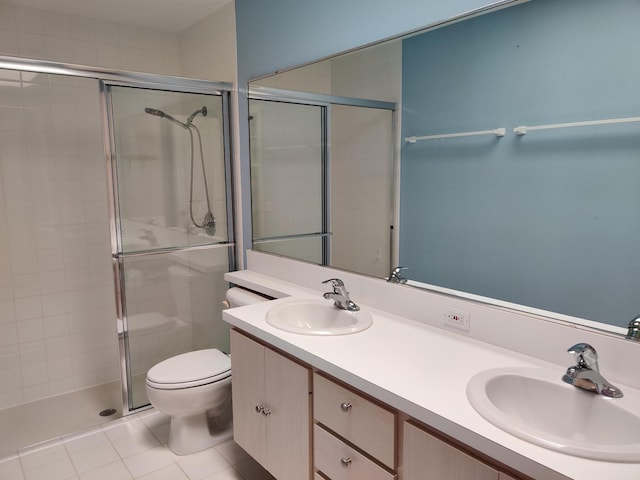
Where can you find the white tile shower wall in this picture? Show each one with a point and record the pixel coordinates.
(57, 312)
(41, 34)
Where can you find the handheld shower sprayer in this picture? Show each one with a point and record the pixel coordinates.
(153, 111)
(209, 222)
(161, 114)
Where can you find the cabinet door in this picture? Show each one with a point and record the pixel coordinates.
(429, 458)
(289, 422)
(248, 392)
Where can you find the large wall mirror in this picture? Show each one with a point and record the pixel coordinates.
(516, 149)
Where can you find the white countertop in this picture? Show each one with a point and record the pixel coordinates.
(422, 371)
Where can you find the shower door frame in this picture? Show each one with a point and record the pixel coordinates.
(325, 101)
(107, 77)
(118, 256)
(325, 176)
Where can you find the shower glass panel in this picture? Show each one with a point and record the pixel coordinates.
(160, 160)
(288, 178)
(171, 228)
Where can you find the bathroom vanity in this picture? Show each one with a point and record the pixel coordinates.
(389, 402)
(350, 435)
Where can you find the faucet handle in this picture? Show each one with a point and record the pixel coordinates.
(633, 332)
(335, 282)
(586, 356)
(395, 277)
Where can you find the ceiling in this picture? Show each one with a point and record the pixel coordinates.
(167, 15)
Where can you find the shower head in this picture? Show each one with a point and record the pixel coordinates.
(153, 111)
(203, 111)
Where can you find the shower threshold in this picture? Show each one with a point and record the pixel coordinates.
(32, 423)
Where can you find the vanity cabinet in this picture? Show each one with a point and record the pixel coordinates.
(426, 457)
(271, 408)
(354, 437)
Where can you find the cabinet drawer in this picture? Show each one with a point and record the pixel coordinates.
(331, 457)
(362, 422)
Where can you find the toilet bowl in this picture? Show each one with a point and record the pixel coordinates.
(194, 389)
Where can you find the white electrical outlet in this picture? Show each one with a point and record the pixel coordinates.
(457, 318)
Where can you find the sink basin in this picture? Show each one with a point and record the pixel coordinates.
(535, 405)
(317, 317)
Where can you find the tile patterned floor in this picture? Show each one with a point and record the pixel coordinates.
(130, 448)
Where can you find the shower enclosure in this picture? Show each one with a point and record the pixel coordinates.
(105, 271)
(170, 223)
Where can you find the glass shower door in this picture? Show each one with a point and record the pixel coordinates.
(171, 225)
(289, 179)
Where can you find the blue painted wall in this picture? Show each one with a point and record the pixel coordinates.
(549, 219)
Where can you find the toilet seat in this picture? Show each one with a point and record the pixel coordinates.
(191, 369)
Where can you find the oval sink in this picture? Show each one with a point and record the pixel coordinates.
(535, 405)
(317, 317)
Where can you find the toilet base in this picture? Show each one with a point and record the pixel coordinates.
(198, 432)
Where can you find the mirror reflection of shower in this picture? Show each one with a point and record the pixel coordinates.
(208, 223)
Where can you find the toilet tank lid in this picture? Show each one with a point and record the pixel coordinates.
(190, 367)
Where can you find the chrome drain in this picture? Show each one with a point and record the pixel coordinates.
(108, 412)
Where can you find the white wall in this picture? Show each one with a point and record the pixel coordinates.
(41, 34)
(208, 48)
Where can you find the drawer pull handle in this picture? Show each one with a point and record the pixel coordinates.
(345, 406)
(345, 462)
(266, 412)
(259, 408)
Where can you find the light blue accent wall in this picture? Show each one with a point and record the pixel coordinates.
(549, 219)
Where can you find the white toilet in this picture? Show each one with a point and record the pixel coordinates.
(194, 389)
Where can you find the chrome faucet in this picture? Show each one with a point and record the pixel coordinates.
(633, 329)
(586, 374)
(340, 296)
(395, 277)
